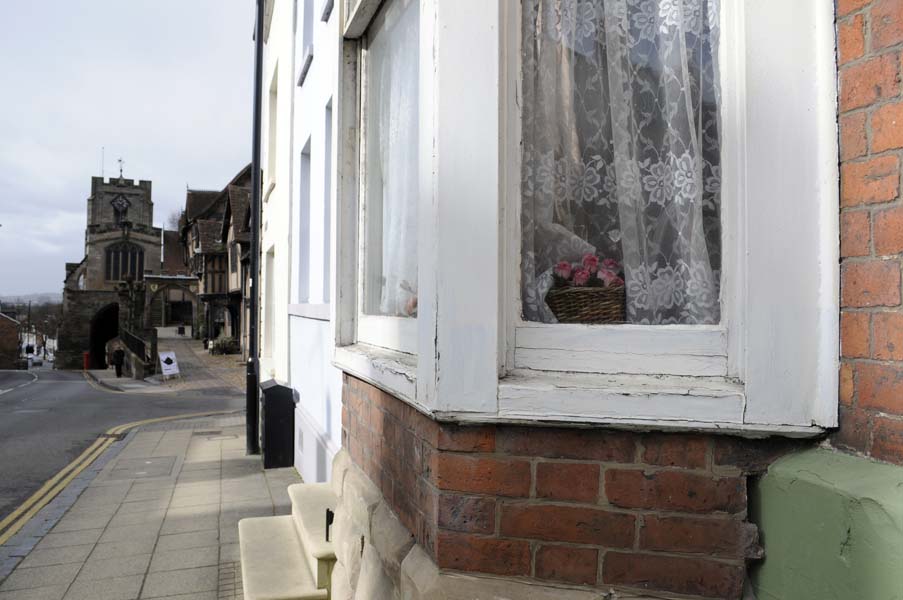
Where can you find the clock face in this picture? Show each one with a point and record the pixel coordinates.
(120, 203)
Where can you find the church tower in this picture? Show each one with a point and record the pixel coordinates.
(121, 241)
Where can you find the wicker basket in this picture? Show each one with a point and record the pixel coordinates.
(588, 304)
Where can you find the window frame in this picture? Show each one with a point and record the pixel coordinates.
(306, 201)
(670, 350)
(389, 332)
(706, 376)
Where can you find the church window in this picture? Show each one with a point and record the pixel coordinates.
(124, 259)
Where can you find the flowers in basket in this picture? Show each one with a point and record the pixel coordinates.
(591, 271)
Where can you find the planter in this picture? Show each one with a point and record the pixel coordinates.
(596, 305)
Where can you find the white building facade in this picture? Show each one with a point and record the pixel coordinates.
(311, 373)
(297, 250)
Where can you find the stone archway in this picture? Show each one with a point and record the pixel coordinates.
(162, 310)
(104, 327)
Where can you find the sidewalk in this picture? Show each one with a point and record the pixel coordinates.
(198, 371)
(106, 378)
(155, 517)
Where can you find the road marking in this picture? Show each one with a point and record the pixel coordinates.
(34, 378)
(17, 519)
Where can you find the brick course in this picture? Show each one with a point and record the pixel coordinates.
(591, 507)
(870, 40)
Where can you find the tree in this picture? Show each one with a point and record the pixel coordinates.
(172, 221)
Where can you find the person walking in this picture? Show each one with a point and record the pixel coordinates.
(118, 360)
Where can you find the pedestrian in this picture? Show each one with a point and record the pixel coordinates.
(118, 360)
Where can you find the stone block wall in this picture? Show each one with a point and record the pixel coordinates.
(79, 309)
(870, 55)
(586, 507)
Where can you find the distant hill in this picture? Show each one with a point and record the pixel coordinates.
(49, 297)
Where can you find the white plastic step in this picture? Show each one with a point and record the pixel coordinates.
(273, 565)
(309, 504)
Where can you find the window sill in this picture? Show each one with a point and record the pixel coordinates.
(306, 62)
(664, 403)
(359, 17)
(628, 402)
(269, 190)
(318, 312)
(326, 11)
(390, 371)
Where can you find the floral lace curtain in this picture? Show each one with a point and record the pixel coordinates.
(621, 151)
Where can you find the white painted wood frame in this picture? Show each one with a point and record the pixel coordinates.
(390, 332)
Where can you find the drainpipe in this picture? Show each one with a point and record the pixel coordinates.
(252, 390)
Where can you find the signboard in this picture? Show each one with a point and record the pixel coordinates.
(168, 364)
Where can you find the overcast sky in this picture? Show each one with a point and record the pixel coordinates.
(165, 84)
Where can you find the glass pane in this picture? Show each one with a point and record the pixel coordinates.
(621, 166)
(391, 173)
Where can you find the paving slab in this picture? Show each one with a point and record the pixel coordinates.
(33, 577)
(57, 556)
(113, 567)
(70, 538)
(50, 592)
(119, 588)
(174, 560)
(170, 583)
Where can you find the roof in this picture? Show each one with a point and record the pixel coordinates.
(211, 204)
(173, 262)
(5, 316)
(197, 202)
(239, 202)
(208, 236)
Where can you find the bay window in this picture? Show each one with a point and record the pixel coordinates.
(624, 211)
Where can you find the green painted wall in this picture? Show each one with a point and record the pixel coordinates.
(832, 528)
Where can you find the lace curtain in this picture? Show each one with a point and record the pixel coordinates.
(392, 106)
(621, 151)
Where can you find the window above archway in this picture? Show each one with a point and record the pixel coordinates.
(123, 260)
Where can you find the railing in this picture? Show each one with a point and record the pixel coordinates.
(136, 345)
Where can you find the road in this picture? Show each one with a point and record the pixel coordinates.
(47, 418)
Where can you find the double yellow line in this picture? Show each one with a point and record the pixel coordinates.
(17, 519)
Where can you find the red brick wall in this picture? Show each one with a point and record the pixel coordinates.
(590, 507)
(870, 48)
(9, 343)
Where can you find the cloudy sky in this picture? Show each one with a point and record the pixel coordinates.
(165, 84)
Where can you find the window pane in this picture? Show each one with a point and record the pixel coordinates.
(621, 165)
(116, 269)
(391, 173)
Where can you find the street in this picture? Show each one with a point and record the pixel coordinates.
(48, 417)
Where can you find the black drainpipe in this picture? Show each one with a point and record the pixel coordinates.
(252, 392)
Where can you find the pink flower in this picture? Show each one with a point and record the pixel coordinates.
(608, 276)
(591, 262)
(581, 276)
(611, 264)
(563, 269)
(617, 282)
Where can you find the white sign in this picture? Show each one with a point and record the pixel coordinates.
(169, 364)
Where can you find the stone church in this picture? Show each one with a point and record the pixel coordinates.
(133, 276)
